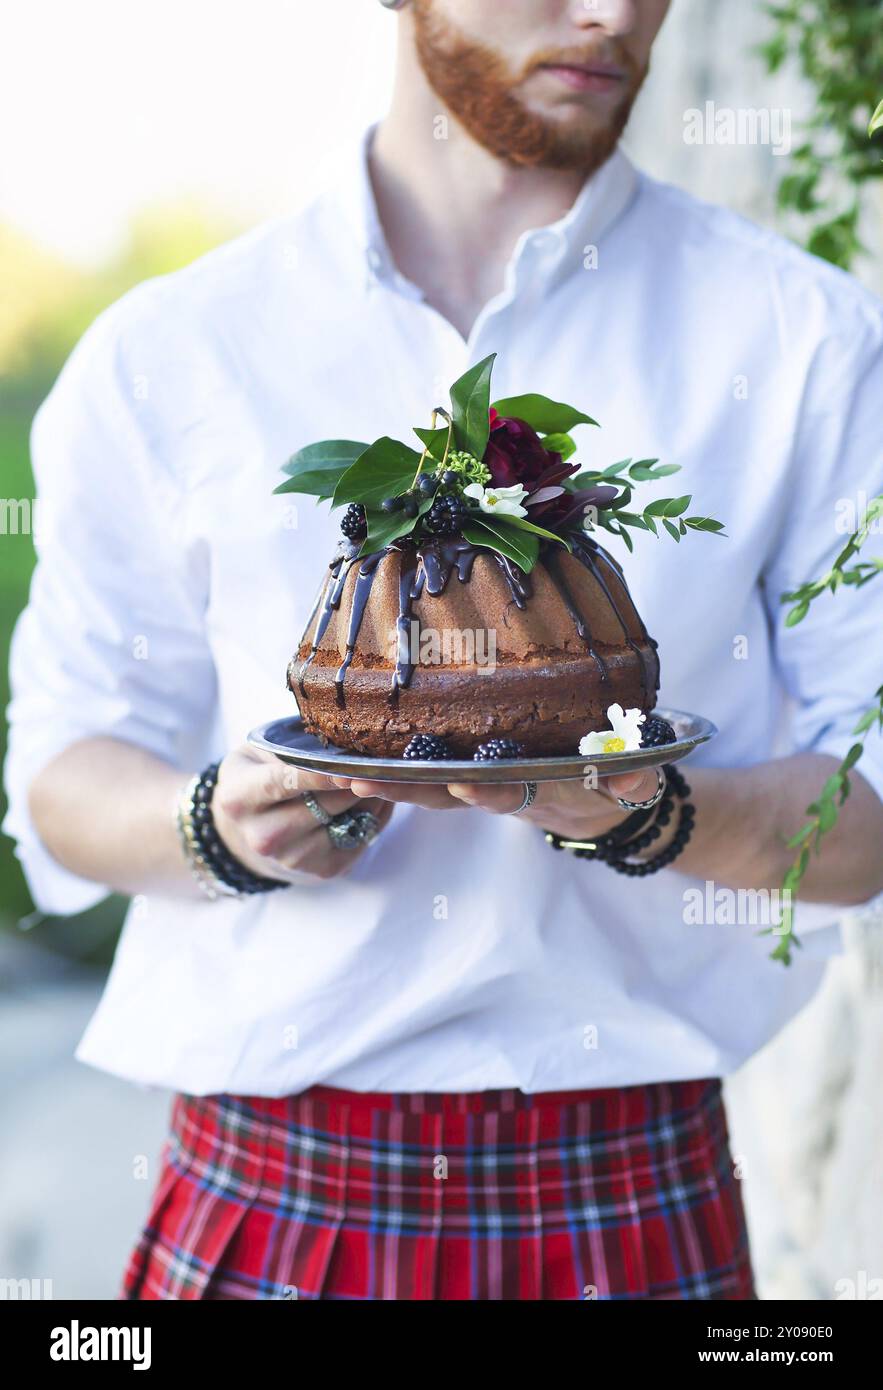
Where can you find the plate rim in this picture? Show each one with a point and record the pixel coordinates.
(562, 767)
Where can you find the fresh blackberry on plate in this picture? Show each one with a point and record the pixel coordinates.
(427, 748)
(447, 515)
(498, 749)
(354, 523)
(656, 732)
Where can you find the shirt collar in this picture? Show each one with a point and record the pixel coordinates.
(549, 253)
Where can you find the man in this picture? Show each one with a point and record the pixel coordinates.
(457, 1064)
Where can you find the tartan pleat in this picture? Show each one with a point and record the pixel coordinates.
(607, 1194)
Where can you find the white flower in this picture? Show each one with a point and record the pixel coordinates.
(623, 736)
(498, 501)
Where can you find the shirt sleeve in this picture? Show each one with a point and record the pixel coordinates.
(832, 662)
(112, 641)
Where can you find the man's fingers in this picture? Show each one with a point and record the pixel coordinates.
(430, 796)
(251, 780)
(633, 786)
(500, 800)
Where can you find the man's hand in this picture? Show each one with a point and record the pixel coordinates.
(568, 808)
(260, 816)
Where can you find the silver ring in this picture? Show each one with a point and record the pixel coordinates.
(530, 796)
(645, 805)
(353, 829)
(316, 810)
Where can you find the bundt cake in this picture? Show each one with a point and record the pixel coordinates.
(452, 638)
(470, 610)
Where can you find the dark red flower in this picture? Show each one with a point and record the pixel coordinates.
(515, 454)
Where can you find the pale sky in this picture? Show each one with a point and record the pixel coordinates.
(108, 105)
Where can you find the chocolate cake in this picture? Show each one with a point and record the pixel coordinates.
(470, 611)
(453, 638)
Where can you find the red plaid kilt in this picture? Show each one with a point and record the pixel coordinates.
(608, 1194)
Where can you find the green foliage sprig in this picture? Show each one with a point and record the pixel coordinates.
(823, 813)
(838, 47)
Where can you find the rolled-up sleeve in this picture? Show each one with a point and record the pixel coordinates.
(832, 662)
(112, 641)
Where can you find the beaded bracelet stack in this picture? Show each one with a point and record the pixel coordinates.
(215, 869)
(618, 848)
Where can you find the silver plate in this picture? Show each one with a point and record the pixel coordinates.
(288, 740)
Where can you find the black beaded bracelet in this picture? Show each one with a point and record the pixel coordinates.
(615, 851)
(211, 848)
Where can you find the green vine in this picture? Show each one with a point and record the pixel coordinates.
(823, 813)
(838, 48)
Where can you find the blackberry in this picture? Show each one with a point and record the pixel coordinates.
(497, 749)
(656, 732)
(354, 523)
(447, 515)
(427, 748)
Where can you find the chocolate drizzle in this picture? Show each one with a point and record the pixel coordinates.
(589, 553)
(553, 568)
(428, 567)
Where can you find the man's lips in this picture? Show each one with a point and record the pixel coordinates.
(589, 77)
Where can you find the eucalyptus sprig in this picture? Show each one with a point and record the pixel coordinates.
(823, 813)
(838, 574)
(667, 510)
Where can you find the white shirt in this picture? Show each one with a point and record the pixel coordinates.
(461, 953)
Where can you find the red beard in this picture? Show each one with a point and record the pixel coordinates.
(479, 90)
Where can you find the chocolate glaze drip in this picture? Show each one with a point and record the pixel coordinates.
(590, 553)
(553, 569)
(361, 593)
(429, 567)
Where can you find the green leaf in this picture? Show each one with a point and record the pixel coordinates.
(521, 547)
(522, 523)
(667, 506)
(671, 529)
(318, 468)
(852, 757)
(704, 523)
(797, 840)
(865, 722)
(876, 120)
(543, 415)
(435, 440)
(563, 444)
(632, 519)
(827, 816)
(384, 527)
(470, 399)
(648, 470)
(386, 469)
(797, 615)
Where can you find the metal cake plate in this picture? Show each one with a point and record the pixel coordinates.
(287, 739)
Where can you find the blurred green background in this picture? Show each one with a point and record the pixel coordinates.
(46, 306)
